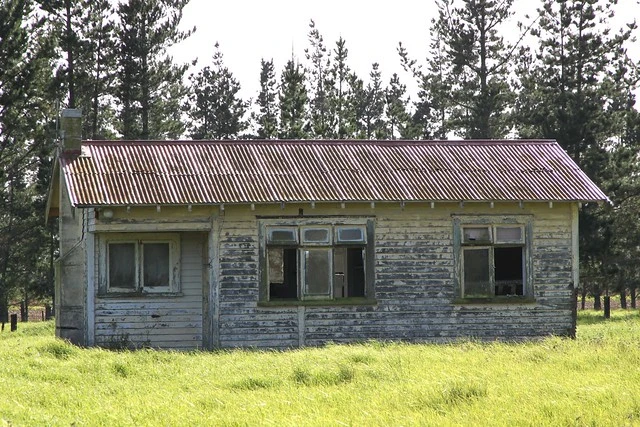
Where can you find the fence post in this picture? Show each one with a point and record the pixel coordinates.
(14, 322)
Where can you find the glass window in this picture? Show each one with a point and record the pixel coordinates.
(476, 234)
(122, 265)
(316, 235)
(347, 234)
(151, 263)
(328, 262)
(155, 264)
(492, 267)
(317, 276)
(477, 280)
(283, 235)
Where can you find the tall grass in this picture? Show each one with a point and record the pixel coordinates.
(593, 380)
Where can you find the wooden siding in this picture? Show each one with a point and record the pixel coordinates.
(414, 284)
(158, 321)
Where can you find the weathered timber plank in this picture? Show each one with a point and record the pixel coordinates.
(165, 326)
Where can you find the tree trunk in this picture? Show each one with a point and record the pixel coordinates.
(632, 293)
(4, 311)
(597, 301)
(583, 297)
(623, 299)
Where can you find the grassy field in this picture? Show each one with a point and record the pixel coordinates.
(593, 380)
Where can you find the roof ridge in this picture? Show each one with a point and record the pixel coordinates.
(377, 142)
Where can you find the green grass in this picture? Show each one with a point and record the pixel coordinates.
(591, 381)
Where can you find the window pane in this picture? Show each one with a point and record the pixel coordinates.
(122, 265)
(508, 234)
(476, 234)
(156, 264)
(317, 275)
(283, 281)
(477, 282)
(316, 235)
(350, 234)
(283, 235)
(509, 272)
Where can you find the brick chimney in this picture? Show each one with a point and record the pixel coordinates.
(71, 132)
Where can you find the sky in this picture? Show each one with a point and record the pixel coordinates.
(249, 30)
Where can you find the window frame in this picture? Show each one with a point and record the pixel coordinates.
(330, 246)
(139, 240)
(493, 222)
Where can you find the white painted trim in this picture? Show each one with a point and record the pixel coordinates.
(91, 288)
(575, 245)
(150, 227)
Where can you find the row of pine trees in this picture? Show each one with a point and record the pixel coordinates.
(566, 75)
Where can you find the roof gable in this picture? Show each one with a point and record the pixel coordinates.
(213, 172)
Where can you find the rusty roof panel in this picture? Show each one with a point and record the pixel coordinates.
(213, 172)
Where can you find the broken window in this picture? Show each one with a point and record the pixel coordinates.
(349, 266)
(493, 261)
(509, 270)
(282, 273)
(329, 262)
(144, 265)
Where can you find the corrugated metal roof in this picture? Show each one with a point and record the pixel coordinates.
(213, 172)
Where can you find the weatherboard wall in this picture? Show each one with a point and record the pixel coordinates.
(173, 321)
(219, 300)
(414, 280)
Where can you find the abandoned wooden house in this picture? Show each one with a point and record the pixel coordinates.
(208, 244)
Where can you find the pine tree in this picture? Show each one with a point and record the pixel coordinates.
(215, 109)
(569, 92)
(621, 182)
(368, 105)
(85, 29)
(149, 87)
(340, 100)
(431, 118)
(398, 118)
(293, 103)
(266, 119)
(25, 111)
(99, 47)
(321, 85)
(565, 87)
(479, 57)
